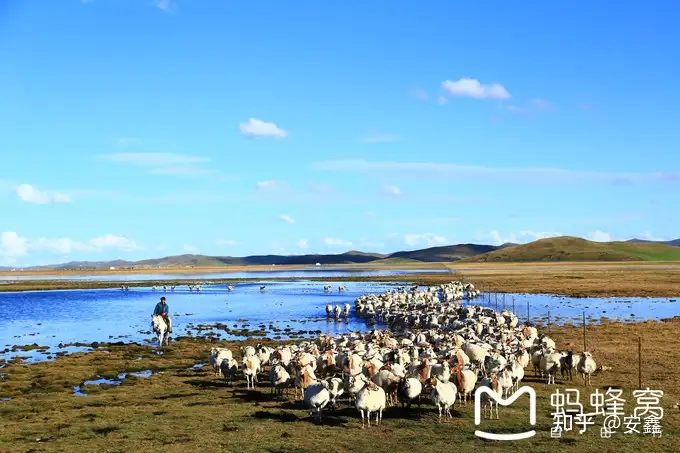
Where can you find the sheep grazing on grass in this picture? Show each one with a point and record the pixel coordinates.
(485, 399)
(465, 381)
(409, 389)
(228, 368)
(279, 378)
(586, 366)
(316, 397)
(443, 396)
(336, 389)
(550, 364)
(389, 382)
(251, 367)
(217, 356)
(371, 398)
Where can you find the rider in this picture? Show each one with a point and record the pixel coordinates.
(162, 310)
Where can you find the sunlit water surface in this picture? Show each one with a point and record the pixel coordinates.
(51, 318)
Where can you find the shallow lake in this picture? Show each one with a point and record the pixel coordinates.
(291, 273)
(51, 318)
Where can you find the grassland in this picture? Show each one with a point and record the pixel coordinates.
(566, 248)
(626, 279)
(179, 410)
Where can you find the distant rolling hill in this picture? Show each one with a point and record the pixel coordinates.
(567, 248)
(563, 248)
(429, 255)
(673, 243)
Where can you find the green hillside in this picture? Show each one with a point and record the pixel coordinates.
(567, 248)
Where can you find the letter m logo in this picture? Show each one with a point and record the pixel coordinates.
(505, 402)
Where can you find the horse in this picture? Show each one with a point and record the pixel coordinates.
(160, 328)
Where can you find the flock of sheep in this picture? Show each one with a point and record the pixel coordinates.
(435, 345)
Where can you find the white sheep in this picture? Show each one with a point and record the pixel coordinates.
(371, 398)
(251, 366)
(217, 355)
(486, 399)
(443, 396)
(465, 381)
(279, 378)
(228, 369)
(335, 388)
(316, 397)
(409, 389)
(586, 366)
(550, 364)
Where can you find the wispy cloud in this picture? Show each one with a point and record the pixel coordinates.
(418, 221)
(164, 163)
(423, 239)
(190, 248)
(498, 174)
(532, 106)
(371, 214)
(14, 246)
(336, 242)
(379, 137)
(167, 6)
(441, 100)
(472, 88)
(419, 94)
(321, 188)
(125, 141)
(302, 243)
(392, 190)
(599, 236)
(227, 242)
(271, 185)
(286, 218)
(255, 128)
(31, 194)
(496, 238)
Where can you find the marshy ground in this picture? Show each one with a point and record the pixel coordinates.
(180, 408)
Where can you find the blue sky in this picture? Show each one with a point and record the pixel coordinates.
(135, 129)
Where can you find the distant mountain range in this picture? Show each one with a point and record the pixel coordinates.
(564, 248)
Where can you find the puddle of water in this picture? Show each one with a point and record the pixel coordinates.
(5, 399)
(77, 392)
(198, 366)
(101, 381)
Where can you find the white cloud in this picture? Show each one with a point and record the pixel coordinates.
(497, 174)
(302, 243)
(187, 170)
(371, 214)
(125, 141)
(336, 242)
(378, 137)
(427, 239)
(599, 236)
(522, 237)
(419, 221)
(154, 159)
(190, 248)
(163, 163)
(472, 88)
(532, 106)
(30, 194)
(270, 185)
(391, 189)
(321, 188)
(651, 237)
(255, 128)
(167, 6)
(286, 218)
(419, 94)
(13, 246)
(227, 242)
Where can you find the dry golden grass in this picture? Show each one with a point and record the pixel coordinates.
(183, 410)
